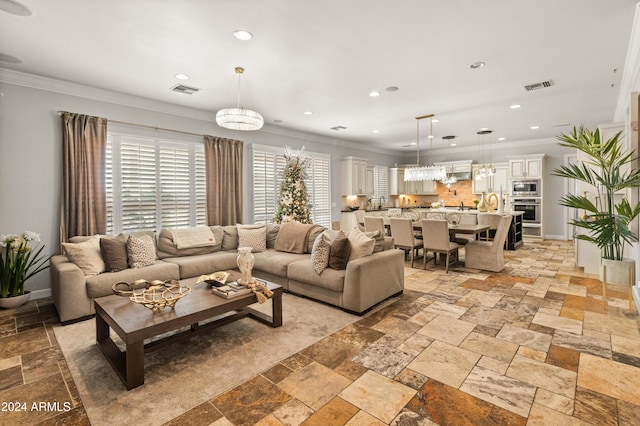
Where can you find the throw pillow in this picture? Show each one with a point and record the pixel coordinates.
(141, 251)
(272, 234)
(361, 245)
(114, 253)
(320, 253)
(254, 236)
(340, 250)
(86, 255)
(379, 237)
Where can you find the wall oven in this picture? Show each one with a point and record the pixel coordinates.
(526, 188)
(531, 208)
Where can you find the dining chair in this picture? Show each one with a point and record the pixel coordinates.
(403, 237)
(491, 219)
(465, 219)
(436, 239)
(374, 223)
(360, 218)
(434, 215)
(488, 255)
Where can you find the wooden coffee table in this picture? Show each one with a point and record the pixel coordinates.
(134, 323)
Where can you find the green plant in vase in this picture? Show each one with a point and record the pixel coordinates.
(19, 261)
(606, 168)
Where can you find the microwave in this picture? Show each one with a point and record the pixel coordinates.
(526, 188)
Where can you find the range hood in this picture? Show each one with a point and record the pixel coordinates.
(460, 169)
(462, 175)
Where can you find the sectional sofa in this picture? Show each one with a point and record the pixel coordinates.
(366, 278)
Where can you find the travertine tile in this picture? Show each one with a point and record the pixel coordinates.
(446, 309)
(363, 418)
(558, 322)
(613, 325)
(445, 363)
(521, 336)
(546, 376)
(447, 329)
(625, 345)
(554, 401)
(535, 354)
(314, 385)
(383, 359)
(545, 416)
(335, 412)
(592, 406)
(498, 349)
(379, 396)
(493, 364)
(292, 412)
(582, 343)
(609, 378)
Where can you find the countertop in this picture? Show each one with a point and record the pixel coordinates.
(448, 209)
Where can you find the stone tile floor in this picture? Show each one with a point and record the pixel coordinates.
(535, 344)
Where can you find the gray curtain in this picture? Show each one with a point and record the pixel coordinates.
(83, 206)
(223, 160)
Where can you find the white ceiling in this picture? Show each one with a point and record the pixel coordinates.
(326, 56)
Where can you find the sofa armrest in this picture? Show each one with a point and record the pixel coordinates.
(69, 289)
(371, 279)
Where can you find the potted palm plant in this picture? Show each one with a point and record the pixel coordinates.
(19, 262)
(605, 219)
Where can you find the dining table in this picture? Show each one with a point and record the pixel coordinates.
(461, 228)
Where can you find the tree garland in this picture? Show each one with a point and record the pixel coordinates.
(293, 203)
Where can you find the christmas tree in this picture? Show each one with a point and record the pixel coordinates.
(293, 204)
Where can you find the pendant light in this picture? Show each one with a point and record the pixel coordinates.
(430, 172)
(449, 179)
(239, 118)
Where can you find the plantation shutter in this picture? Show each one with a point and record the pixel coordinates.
(318, 185)
(381, 182)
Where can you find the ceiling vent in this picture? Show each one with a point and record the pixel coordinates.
(338, 128)
(187, 90)
(536, 86)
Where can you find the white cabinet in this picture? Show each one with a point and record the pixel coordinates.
(527, 167)
(354, 176)
(491, 183)
(370, 181)
(396, 181)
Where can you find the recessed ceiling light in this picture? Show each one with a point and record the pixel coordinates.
(392, 89)
(375, 131)
(412, 143)
(476, 65)
(374, 94)
(515, 106)
(535, 127)
(501, 139)
(182, 77)
(243, 35)
(435, 120)
(9, 59)
(14, 8)
(307, 113)
(484, 128)
(454, 144)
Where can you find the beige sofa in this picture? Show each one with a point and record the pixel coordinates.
(365, 282)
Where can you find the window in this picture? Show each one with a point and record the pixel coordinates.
(380, 182)
(153, 184)
(268, 165)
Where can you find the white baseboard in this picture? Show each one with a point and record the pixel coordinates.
(40, 294)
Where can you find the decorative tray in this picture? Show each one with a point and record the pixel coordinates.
(155, 295)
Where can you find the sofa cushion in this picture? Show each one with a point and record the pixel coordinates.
(167, 247)
(379, 238)
(230, 239)
(141, 251)
(114, 253)
(100, 285)
(315, 231)
(302, 271)
(320, 253)
(275, 262)
(86, 255)
(204, 264)
(361, 245)
(340, 250)
(254, 236)
(272, 234)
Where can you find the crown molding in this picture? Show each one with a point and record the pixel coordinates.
(38, 82)
(631, 73)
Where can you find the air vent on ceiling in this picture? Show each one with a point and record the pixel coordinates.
(338, 128)
(540, 85)
(187, 90)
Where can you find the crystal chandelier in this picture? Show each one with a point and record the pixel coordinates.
(449, 179)
(239, 118)
(485, 171)
(430, 172)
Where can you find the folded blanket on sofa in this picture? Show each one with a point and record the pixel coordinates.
(293, 237)
(199, 236)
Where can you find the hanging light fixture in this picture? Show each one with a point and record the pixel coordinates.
(239, 118)
(485, 171)
(449, 179)
(430, 172)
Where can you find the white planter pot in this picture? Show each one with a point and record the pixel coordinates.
(619, 272)
(15, 301)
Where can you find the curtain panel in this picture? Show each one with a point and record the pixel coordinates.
(223, 160)
(83, 204)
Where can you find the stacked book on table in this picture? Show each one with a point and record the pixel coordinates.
(230, 290)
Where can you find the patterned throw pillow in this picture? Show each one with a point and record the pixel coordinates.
(141, 251)
(86, 255)
(254, 236)
(320, 253)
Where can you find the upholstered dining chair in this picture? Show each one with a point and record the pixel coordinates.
(488, 255)
(403, 237)
(374, 223)
(436, 239)
(491, 219)
(359, 214)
